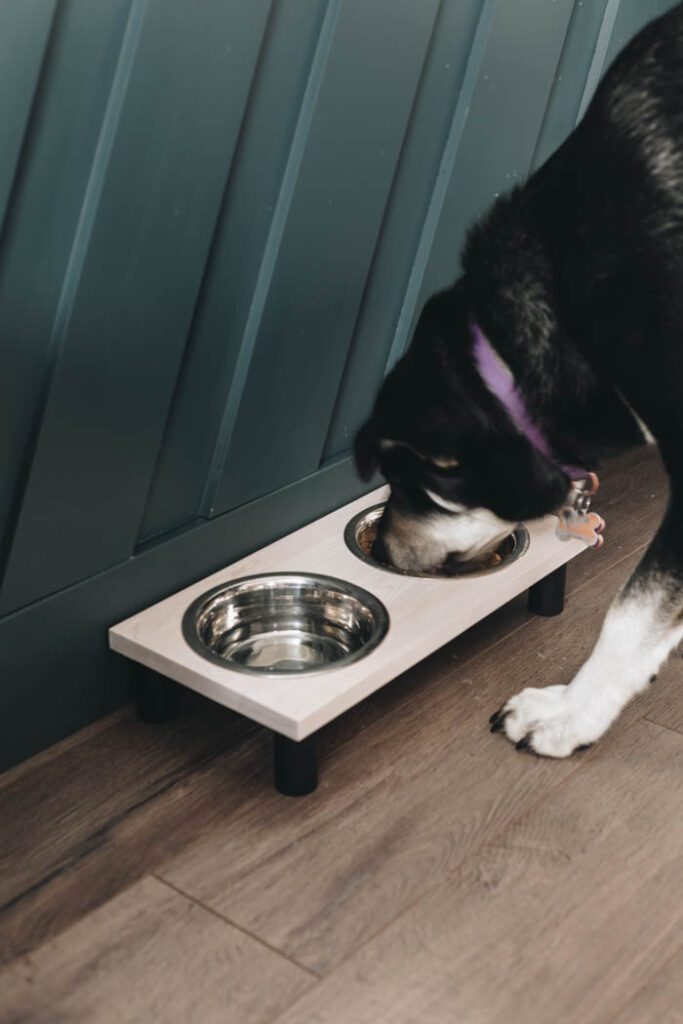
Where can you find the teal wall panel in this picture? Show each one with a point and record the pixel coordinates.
(307, 300)
(40, 225)
(452, 71)
(223, 309)
(577, 72)
(442, 97)
(136, 261)
(218, 222)
(25, 27)
(516, 76)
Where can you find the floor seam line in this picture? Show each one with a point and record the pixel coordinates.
(490, 842)
(661, 725)
(237, 927)
(475, 852)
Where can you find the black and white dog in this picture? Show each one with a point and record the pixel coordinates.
(576, 280)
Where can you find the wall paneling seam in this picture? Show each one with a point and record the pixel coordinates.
(443, 177)
(270, 252)
(77, 256)
(599, 53)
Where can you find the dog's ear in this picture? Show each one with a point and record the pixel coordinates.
(520, 482)
(366, 450)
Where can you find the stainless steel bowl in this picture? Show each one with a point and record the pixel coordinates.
(284, 623)
(356, 526)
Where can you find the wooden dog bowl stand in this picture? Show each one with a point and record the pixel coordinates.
(424, 614)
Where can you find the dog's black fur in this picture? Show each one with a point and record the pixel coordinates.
(576, 278)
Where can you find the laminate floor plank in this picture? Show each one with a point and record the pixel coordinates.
(573, 908)
(660, 999)
(62, 848)
(666, 706)
(150, 955)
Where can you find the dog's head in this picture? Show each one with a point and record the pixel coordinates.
(461, 475)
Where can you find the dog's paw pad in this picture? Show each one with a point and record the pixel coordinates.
(543, 722)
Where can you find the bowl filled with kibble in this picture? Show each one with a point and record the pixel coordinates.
(361, 532)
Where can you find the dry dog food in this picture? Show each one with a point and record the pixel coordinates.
(367, 537)
(450, 567)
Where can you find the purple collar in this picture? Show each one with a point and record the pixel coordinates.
(500, 383)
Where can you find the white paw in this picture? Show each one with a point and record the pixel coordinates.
(544, 722)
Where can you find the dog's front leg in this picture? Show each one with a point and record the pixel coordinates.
(642, 626)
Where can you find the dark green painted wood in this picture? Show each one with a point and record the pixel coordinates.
(277, 409)
(24, 31)
(510, 70)
(599, 54)
(129, 291)
(242, 231)
(515, 79)
(442, 98)
(42, 220)
(56, 670)
(574, 73)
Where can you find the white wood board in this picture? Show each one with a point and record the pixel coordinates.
(424, 614)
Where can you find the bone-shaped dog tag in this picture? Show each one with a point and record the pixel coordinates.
(585, 526)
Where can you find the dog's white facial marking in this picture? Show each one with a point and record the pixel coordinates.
(450, 506)
(467, 531)
(419, 543)
(637, 636)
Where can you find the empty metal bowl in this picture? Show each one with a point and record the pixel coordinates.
(283, 623)
(518, 543)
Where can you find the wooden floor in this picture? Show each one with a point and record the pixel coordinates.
(150, 873)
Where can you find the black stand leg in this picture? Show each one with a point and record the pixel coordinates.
(157, 697)
(295, 765)
(547, 596)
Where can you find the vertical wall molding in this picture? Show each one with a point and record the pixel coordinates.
(270, 252)
(142, 537)
(599, 54)
(535, 161)
(76, 261)
(442, 181)
(95, 183)
(20, 84)
(146, 214)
